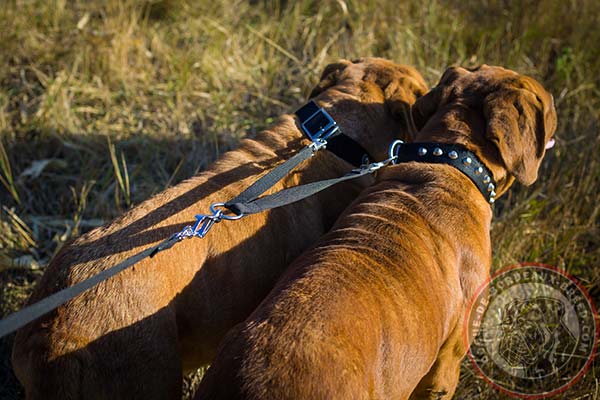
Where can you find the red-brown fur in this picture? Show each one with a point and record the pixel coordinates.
(131, 336)
(375, 310)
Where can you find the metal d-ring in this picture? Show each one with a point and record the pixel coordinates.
(394, 148)
(218, 214)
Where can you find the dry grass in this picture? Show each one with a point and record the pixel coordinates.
(104, 104)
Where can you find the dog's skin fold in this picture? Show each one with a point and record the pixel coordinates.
(375, 310)
(133, 335)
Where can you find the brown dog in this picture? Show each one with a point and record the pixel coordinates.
(375, 310)
(129, 336)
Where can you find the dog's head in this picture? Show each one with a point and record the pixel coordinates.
(518, 116)
(371, 98)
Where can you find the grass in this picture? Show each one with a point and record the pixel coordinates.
(103, 104)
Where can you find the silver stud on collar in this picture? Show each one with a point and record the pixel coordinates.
(422, 151)
(492, 194)
(492, 200)
(453, 155)
(491, 187)
(467, 161)
(487, 179)
(437, 151)
(478, 171)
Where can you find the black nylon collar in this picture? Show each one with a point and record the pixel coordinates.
(317, 125)
(452, 154)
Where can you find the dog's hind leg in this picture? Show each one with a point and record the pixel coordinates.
(442, 379)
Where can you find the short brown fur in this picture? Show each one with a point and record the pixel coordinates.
(133, 335)
(375, 310)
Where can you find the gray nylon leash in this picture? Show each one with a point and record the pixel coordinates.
(297, 193)
(267, 181)
(30, 313)
(316, 124)
(250, 205)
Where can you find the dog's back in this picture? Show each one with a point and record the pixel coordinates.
(359, 310)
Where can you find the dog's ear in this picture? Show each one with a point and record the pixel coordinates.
(427, 105)
(520, 119)
(329, 77)
(402, 93)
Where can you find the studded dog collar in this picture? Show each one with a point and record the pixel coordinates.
(452, 154)
(321, 129)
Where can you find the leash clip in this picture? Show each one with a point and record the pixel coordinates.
(372, 167)
(317, 145)
(205, 221)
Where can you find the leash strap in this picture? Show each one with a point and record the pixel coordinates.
(287, 196)
(267, 181)
(316, 124)
(297, 193)
(34, 311)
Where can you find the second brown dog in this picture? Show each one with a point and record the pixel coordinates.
(375, 310)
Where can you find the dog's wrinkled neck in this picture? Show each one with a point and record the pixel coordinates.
(461, 125)
(439, 184)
